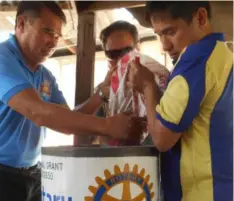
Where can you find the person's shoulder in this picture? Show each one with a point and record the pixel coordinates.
(5, 50)
(194, 58)
(7, 57)
(201, 50)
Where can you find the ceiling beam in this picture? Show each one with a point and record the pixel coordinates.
(139, 14)
(8, 6)
(91, 6)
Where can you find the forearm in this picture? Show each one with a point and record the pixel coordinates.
(69, 122)
(164, 139)
(151, 100)
(29, 104)
(91, 106)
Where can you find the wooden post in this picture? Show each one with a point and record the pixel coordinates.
(86, 56)
(222, 18)
(86, 43)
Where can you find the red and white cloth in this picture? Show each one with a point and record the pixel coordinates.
(123, 99)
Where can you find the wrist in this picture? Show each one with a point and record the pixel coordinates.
(103, 85)
(99, 127)
(149, 86)
(106, 128)
(100, 91)
(151, 91)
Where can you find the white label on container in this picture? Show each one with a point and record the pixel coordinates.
(100, 179)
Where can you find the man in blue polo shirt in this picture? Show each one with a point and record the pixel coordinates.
(192, 124)
(30, 99)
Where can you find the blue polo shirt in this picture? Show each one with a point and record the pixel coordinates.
(20, 138)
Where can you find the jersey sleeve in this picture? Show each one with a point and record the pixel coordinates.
(181, 101)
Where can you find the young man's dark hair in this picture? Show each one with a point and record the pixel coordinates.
(118, 26)
(177, 9)
(34, 8)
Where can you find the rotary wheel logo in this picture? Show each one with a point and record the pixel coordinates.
(102, 191)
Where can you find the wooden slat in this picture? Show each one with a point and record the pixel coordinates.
(85, 62)
(91, 6)
(12, 6)
(87, 6)
(222, 18)
(85, 57)
(139, 14)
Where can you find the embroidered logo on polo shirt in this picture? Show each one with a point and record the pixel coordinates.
(45, 88)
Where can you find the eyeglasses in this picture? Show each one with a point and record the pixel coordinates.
(47, 31)
(118, 53)
(51, 33)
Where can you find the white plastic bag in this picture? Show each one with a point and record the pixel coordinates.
(123, 99)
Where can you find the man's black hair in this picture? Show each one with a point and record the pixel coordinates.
(118, 26)
(176, 9)
(35, 7)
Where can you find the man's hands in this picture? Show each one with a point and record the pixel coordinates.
(139, 77)
(125, 127)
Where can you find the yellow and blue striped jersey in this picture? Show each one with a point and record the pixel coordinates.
(198, 103)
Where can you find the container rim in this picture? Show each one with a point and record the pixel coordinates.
(97, 151)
